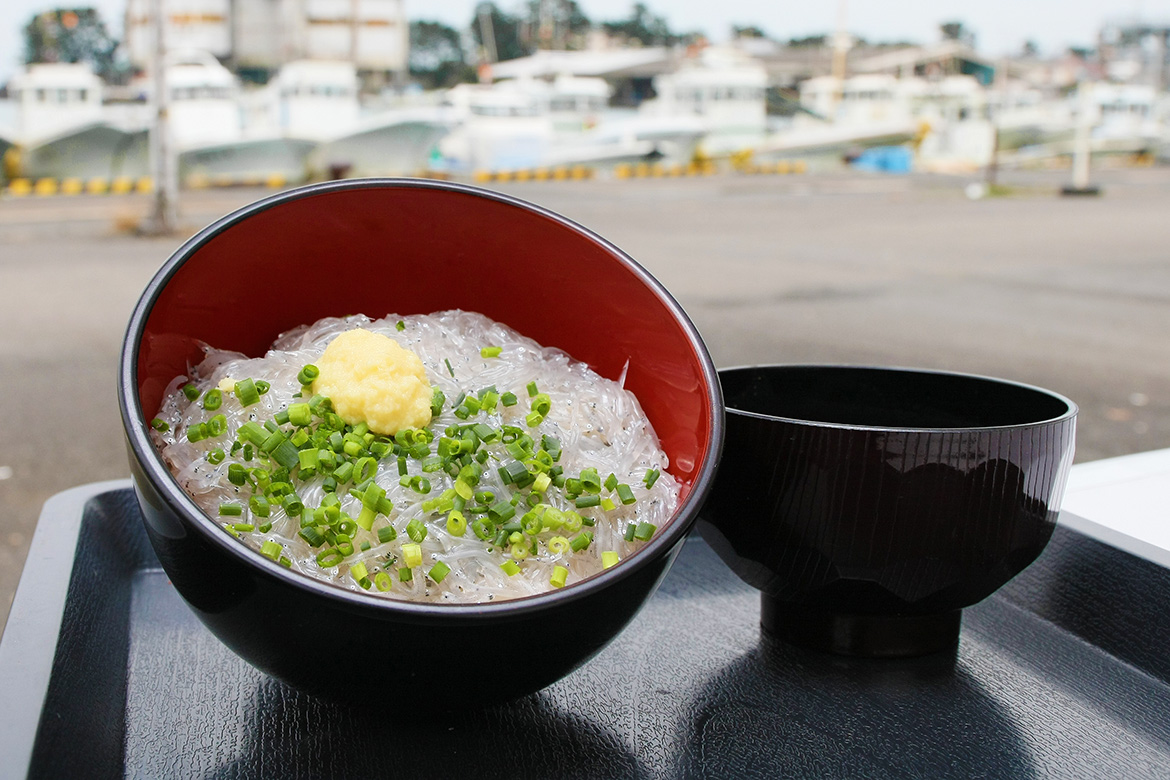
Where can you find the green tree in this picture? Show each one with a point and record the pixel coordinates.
(73, 35)
(957, 31)
(436, 55)
(556, 24)
(747, 31)
(505, 30)
(644, 27)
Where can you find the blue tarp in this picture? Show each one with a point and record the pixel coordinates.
(884, 159)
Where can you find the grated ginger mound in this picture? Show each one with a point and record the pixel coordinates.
(370, 378)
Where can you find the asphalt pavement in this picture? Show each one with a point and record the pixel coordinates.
(1070, 294)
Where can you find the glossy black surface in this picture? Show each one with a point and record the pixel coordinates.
(1062, 673)
(850, 494)
(304, 631)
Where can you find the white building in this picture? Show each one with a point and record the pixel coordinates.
(266, 34)
(51, 98)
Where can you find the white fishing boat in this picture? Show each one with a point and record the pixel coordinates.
(533, 123)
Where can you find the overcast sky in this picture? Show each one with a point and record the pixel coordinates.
(1000, 26)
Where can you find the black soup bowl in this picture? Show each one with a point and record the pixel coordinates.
(870, 505)
(408, 247)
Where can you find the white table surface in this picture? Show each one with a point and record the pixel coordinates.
(1123, 501)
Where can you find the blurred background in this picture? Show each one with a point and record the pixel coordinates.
(975, 187)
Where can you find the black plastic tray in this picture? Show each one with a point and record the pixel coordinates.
(1063, 673)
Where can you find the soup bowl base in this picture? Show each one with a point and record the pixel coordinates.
(869, 636)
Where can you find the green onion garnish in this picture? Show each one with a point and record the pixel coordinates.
(644, 531)
(650, 478)
(213, 399)
(411, 555)
(490, 352)
(609, 558)
(439, 571)
(246, 392)
(450, 370)
(559, 575)
(231, 509)
(271, 549)
(400, 326)
(308, 374)
(510, 568)
(191, 391)
(160, 425)
(625, 494)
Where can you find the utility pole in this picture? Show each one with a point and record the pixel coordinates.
(163, 216)
(840, 52)
(1082, 149)
(487, 32)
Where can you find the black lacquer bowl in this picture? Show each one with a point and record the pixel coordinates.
(870, 505)
(383, 246)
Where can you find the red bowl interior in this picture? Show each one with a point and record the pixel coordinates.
(407, 247)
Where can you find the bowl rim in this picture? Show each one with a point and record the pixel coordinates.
(191, 516)
(1070, 412)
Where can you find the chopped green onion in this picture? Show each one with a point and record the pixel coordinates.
(585, 502)
(439, 571)
(581, 541)
(259, 506)
(611, 481)
(387, 534)
(532, 389)
(644, 531)
(416, 530)
(609, 558)
(534, 419)
(450, 370)
(329, 557)
(557, 545)
(300, 415)
(308, 374)
(160, 425)
(231, 509)
(358, 571)
(608, 505)
(631, 529)
(253, 434)
(405, 574)
(216, 456)
(456, 523)
(216, 426)
(625, 494)
(650, 478)
(508, 399)
(244, 527)
(246, 392)
(510, 568)
(490, 352)
(262, 387)
(411, 555)
(191, 391)
(213, 399)
(437, 401)
(590, 481)
(382, 581)
(312, 536)
(400, 326)
(559, 575)
(271, 549)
